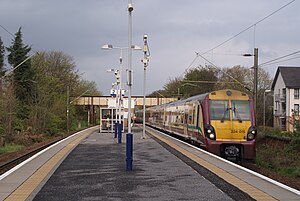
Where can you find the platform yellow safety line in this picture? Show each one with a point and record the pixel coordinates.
(25, 190)
(245, 187)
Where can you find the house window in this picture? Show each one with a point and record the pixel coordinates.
(296, 93)
(284, 92)
(296, 109)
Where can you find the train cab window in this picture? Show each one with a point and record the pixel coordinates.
(240, 110)
(219, 110)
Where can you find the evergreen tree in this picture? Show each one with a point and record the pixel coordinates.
(1, 87)
(2, 52)
(23, 76)
(2, 70)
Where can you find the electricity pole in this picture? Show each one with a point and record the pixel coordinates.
(255, 81)
(255, 67)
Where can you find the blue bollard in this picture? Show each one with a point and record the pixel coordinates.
(120, 128)
(116, 129)
(129, 151)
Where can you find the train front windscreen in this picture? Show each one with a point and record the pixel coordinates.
(231, 119)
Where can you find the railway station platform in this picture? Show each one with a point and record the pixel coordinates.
(96, 170)
(92, 166)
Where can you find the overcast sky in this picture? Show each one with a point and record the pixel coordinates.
(176, 30)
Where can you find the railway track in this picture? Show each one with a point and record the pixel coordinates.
(18, 158)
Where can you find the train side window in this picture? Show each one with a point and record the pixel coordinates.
(190, 114)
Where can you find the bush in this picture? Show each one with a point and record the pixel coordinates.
(272, 131)
(26, 139)
(295, 144)
(297, 131)
(54, 125)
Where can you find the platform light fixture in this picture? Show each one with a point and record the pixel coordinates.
(118, 74)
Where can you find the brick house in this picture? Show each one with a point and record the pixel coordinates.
(286, 85)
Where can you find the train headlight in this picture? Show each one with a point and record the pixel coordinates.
(210, 132)
(250, 136)
(251, 133)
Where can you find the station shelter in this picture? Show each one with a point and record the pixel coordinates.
(110, 115)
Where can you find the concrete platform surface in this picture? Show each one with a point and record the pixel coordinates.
(96, 170)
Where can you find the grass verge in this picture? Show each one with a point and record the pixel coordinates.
(10, 148)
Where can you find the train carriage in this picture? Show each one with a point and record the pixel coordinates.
(222, 122)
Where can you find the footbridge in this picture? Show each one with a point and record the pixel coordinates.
(92, 103)
(104, 101)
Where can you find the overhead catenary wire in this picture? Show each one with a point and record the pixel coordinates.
(213, 65)
(239, 33)
(281, 61)
(204, 81)
(7, 31)
(11, 70)
(253, 25)
(282, 57)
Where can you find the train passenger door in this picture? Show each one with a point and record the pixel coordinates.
(199, 124)
(192, 121)
(186, 119)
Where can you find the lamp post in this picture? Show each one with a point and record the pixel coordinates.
(145, 62)
(129, 136)
(119, 73)
(264, 113)
(118, 77)
(118, 124)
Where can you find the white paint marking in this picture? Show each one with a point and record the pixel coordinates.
(37, 154)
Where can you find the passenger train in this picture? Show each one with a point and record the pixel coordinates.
(222, 122)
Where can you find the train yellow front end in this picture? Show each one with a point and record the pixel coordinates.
(229, 124)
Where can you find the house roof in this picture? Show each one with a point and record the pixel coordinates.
(290, 75)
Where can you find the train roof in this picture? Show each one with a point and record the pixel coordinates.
(198, 98)
(182, 102)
